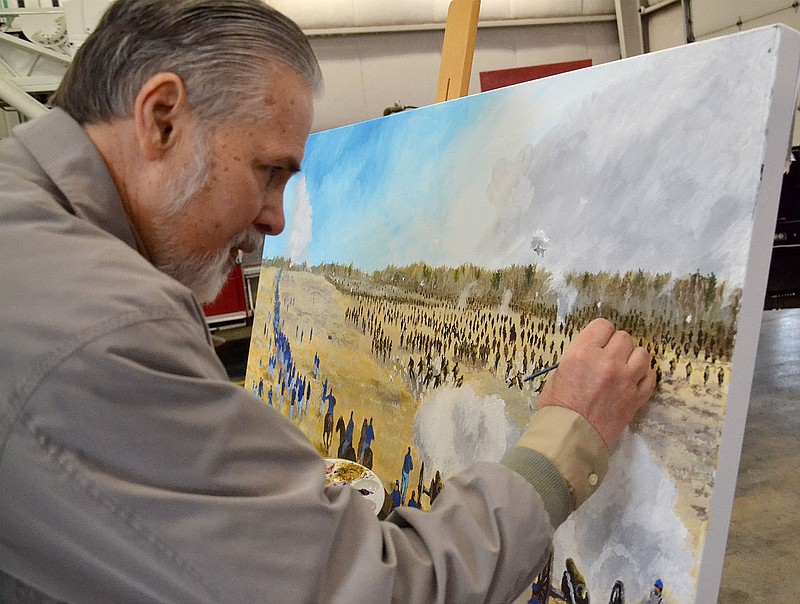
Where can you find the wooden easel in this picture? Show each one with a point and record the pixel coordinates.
(458, 49)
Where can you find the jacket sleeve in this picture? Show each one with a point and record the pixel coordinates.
(563, 457)
(134, 471)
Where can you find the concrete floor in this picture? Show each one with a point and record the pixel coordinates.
(762, 559)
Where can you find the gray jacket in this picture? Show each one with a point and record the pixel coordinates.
(132, 470)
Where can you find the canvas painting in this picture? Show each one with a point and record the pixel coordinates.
(436, 258)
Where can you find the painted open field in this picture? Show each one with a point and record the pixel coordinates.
(356, 338)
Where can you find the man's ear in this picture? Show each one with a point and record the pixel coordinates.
(161, 107)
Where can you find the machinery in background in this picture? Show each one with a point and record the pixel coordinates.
(230, 307)
(783, 283)
(236, 303)
(38, 39)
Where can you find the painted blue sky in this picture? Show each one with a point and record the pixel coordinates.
(634, 164)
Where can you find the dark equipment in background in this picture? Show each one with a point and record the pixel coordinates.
(397, 108)
(783, 283)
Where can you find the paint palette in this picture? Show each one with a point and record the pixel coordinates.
(361, 478)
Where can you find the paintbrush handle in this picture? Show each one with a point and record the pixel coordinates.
(540, 372)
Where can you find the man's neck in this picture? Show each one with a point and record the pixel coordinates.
(116, 142)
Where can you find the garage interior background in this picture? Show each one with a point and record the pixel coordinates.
(374, 53)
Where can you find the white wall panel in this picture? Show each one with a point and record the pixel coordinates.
(788, 16)
(333, 14)
(366, 71)
(407, 12)
(555, 44)
(364, 74)
(712, 16)
(344, 82)
(525, 9)
(598, 7)
(494, 49)
(505, 48)
(602, 42)
(310, 14)
(665, 28)
(400, 67)
(497, 10)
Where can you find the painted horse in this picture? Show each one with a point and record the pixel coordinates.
(346, 450)
(327, 432)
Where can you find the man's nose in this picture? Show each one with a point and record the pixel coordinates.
(271, 219)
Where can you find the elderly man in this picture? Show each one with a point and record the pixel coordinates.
(131, 470)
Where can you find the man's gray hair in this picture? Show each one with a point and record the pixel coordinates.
(219, 48)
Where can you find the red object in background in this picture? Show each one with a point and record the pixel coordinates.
(506, 77)
(231, 304)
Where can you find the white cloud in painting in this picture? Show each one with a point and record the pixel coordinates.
(300, 233)
(455, 428)
(510, 191)
(651, 163)
(647, 168)
(628, 530)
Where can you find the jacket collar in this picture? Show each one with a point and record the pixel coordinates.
(73, 164)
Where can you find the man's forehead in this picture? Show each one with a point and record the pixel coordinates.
(283, 144)
(273, 132)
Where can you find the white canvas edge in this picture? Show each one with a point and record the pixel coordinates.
(787, 70)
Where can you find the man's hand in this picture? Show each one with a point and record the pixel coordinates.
(602, 376)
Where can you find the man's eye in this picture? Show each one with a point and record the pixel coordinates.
(271, 172)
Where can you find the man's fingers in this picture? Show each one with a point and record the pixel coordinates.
(639, 361)
(620, 344)
(601, 333)
(597, 333)
(647, 385)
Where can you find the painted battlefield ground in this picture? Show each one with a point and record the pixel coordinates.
(382, 343)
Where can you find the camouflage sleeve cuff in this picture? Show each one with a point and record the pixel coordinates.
(573, 445)
(545, 478)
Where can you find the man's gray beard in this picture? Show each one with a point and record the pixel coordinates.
(205, 274)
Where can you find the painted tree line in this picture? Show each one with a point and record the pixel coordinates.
(693, 310)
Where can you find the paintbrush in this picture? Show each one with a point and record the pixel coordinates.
(540, 372)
